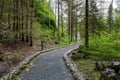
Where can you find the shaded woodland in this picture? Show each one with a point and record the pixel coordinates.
(31, 25)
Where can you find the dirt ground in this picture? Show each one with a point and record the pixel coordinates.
(13, 53)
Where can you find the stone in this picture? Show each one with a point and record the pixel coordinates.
(100, 66)
(86, 56)
(57, 42)
(109, 71)
(117, 76)
(115, 66)
(115, 63)
(109, 74)
(3, 69)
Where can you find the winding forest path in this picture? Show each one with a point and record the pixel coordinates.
(50, 66)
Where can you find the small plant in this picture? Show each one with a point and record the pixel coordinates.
(16, 57)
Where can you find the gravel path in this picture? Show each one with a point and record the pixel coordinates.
(50, 66)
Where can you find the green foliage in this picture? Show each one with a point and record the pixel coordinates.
(41, 33)
(44, 14)
(105, 46)
(8, 36)
(117, 20)
(89, 71)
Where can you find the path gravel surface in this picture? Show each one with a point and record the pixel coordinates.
(50, 66)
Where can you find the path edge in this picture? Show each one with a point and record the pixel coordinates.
(77, 75)
(27, 60)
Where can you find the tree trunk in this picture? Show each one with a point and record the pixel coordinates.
(55, 21)
(2, 7)
(58, 22)
(69, 20)
(27, 13)
(9, 15)
(62, 19)
(31, 23)
(17, 21)
(86, 26)
(22, 21)
(76, 25)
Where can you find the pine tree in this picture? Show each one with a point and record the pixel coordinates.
(86, 26)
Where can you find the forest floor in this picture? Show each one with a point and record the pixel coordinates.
(92, 66)
(13, 53)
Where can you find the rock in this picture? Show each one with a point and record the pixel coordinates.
(57, 42)
(115, 66)
(117, 76)
(100, 66)
(112, 72)
(115, 63)
(109, 71)
(3, 69)
(116, 59)
(86, 56)
(73, 54)
(109, 74)
(76, 56)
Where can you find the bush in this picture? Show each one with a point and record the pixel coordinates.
(106, 46)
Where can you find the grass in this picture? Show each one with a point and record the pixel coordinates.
(88, 68)
(104, 47)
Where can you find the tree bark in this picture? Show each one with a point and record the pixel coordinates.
(86, 25)
(27, 13)
(76, 25)
(22, 21)
(31, 23)
(58, 21)
(9, 15)
(62, 19)
(69, 20)
(2, 7)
